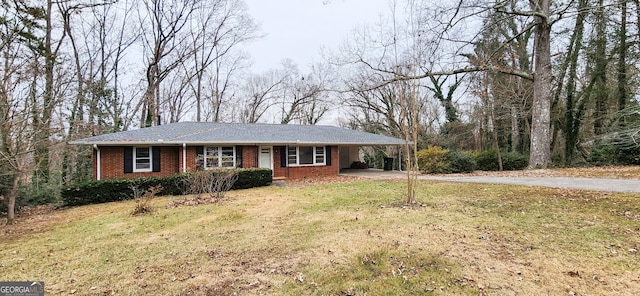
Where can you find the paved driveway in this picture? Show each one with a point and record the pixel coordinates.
(618, 185)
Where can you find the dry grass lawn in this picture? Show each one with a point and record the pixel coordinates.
(350, 238)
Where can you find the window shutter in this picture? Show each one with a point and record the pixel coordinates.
(283, 156)
(128, 159)
(239, 156)
(327, 155)
(200, 157)
(155, 162)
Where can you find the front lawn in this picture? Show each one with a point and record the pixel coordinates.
(352, 238)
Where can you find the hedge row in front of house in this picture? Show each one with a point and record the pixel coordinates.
(95, 192)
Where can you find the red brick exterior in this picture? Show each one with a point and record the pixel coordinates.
(249, 156)
(278, 170)
(112, 163)
(171, 162)
(192, 162)
(299, 172)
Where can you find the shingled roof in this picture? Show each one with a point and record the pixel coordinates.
(240, 133)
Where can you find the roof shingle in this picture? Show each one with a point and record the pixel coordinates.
(241, 133)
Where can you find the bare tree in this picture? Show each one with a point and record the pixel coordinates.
(223, 85)
(17, 85)
(302, 97)
(450, 22)
(374, 110)
(260, 92)
(108, 34)
(219, 27)
(43, 105)
(165, 34)
(384, 86)
(96, 51)
(174, 97)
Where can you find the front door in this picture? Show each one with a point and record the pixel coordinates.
(265, 160)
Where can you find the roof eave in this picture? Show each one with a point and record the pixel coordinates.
(255, 143)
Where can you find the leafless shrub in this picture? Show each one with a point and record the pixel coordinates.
(222, 181)
(197, 183)
(214, 183)
(143, 199)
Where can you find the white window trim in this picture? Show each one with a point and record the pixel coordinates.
(135, 160)
(219, 151)
(324, 158)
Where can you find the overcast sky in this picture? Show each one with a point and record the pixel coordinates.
(298, 29)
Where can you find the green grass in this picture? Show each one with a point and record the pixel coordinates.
(351, 238)
(382, 272)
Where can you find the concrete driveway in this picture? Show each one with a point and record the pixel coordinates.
(617, 185)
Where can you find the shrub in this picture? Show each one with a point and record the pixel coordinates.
(41, 194)
(250, 178)
(602, 154)
(627, 155)
(611, 154)
(143, 199)
(488, 161)
(512, 161)
(6, 178)
(120, 189)
(98, 192)
(215, 183)
(6, 181)
(460, 162)
(433, 160)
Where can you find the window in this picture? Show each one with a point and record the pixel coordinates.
(142, 159)
(219, 157)
(319, 154)
(227, 157)
(306, 155)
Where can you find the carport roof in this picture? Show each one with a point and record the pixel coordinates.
(203, 133)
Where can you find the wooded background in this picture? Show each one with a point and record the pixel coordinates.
(556, 81)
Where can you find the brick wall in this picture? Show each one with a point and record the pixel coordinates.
(298, 172)
(192, 163)
(278, 172)
(249, 156)
(112, 163)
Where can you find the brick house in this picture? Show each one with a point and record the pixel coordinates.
(290, 151)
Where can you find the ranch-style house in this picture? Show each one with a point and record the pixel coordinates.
(290, 151)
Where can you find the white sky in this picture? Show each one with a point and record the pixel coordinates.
(299, 29)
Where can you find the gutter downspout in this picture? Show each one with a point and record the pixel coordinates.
(98, 158)
(184, 157)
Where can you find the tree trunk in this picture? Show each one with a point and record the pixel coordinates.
(571, 122)
(515, 128)
(42, 120)
(11, 202)
(601, 91)
(540, 153)
(622, 61)
(149, 107)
